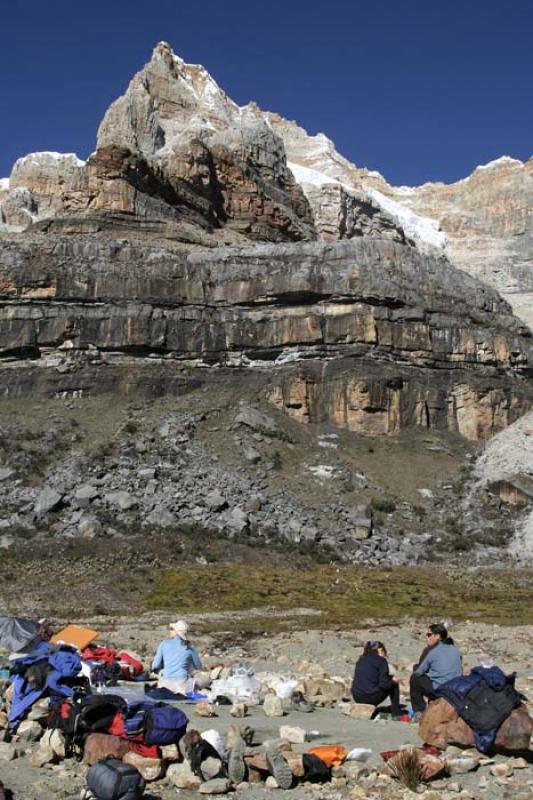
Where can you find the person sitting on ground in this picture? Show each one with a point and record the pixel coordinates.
(177, 658)
(372, 682)
(440, 662)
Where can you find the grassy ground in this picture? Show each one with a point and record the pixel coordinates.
(346, 594)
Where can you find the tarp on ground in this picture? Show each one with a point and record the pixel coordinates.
(18, 633)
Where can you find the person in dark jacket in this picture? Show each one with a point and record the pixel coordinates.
(372, 682)
(440, 662)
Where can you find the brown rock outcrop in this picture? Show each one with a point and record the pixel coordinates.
(441, 726)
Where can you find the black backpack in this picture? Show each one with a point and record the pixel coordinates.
(111, 779)
(81, 715)
(315, 770)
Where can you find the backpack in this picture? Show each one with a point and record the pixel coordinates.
(81, 715)
(135, 718)
(164, 724)
(315, 771)
(111, 779)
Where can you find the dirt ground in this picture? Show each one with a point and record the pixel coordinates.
(297, 653)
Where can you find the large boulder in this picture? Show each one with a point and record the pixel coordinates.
(441, 726)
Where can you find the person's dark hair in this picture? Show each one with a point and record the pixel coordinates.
(440, 630)
(372, 646)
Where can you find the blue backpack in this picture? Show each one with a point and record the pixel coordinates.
(164, 725)
(159, 723)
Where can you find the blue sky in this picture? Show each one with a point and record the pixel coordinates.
(420, 90)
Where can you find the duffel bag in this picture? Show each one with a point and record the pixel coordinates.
(82, 715)
(111, 779)
(164, 724)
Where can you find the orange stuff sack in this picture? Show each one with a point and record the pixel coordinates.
(330, 754)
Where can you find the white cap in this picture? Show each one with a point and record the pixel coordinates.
(180, 628)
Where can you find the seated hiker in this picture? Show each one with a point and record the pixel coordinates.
(440, 662)
(177, 659)
(372, 682)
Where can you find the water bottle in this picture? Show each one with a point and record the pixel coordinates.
(99, 679)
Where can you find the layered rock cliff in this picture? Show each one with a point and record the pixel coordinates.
(385, 337)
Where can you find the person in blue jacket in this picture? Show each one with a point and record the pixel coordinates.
(372, 682)
(177, 659)
(439, 663)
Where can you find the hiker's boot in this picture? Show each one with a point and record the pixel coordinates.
(279, 768)
(236, 763)
(299, 703)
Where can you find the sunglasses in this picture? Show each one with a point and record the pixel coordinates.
(430, 634)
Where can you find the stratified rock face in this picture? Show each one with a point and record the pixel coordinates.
(488, 222)
(365, 324)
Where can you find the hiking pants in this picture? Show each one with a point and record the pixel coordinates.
(378, 697)
(420, 686)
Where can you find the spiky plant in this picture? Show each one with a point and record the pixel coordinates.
(405, 766)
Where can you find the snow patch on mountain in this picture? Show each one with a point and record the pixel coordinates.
(47, 158)
(310, 176)
(498, 162)
(4, 184)
(423, 228)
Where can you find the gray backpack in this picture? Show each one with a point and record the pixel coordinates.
(111, 779)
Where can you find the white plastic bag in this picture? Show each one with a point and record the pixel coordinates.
(215, 740)
(359, 754)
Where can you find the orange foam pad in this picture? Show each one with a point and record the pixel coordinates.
(76, 635)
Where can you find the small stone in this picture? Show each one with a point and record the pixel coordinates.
(54, 740)
(205, 709)
(150, 768)
(146, 473)
(271, 782)
(182, 777)
(39, 758)
(5, 472)
(293, 734)
(39, 710)
(122, 500)
(170, 752)
(7, 752)
(252, 455)
(253, 504)
(518, 763)
(357, 710)
(354, 770)
(273, 706)
(239, 710)
(215, 786)
(85, 494)
(210, 768)
(89, 527)
(48, 500)
(215, 501)
(501, 770)
(161, 517)
(29, 731)
(462, 764)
